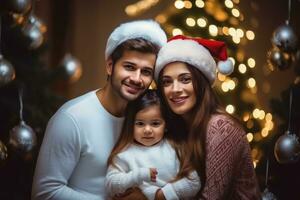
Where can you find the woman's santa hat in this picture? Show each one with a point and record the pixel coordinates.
(147, 29)
(197, 52)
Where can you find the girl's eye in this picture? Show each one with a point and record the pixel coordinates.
(138, 123)
(156, 123)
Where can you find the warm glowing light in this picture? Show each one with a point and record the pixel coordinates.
(251, 82)
(246, 117)
(177, 31)
(256, 113)
(250, 137)
(221, 77)
(232, 31)
(251, 62)
(188, 4)
(230, 108)
(190, 21)
(262, 115)
(225, 87)
(179, 4)
(235, 12)
(199, 3)
(242, 68)
(236, 40)
(228, 3)
(213, 30)
(269, 125)
(264, 132)
(201, 22)
(250, 35)
(231, 84)
(225, 30)
(232, 60)
(131, 10)
(268, 117)
(240, 33)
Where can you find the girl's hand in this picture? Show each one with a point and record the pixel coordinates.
(153, 173)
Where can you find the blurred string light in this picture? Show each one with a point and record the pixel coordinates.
(228, 3)
(249, 137)
(179, 4)
(213, 30)
(188, 4)
(199, 3)
(201, 22)
(177, 31)
(250, 35)
(242, 68)
(251, 82)
(139, 7)
(251, 62)
(230, 109)
(190, 21)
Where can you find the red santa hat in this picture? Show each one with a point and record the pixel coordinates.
(197, 52)
(147, 29)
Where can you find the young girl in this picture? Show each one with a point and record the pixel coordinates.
(144, 158)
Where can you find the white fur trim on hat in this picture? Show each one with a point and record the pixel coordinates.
(187, 51)
(147, 29)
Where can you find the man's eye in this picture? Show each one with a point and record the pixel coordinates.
(129, 67)
(147, 72)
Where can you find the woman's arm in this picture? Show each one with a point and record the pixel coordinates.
(229, 169)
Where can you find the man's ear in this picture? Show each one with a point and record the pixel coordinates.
(109, 66)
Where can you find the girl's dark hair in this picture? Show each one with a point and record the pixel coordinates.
(149, 98)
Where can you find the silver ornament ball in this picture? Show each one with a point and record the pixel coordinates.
(19, 6)
(3, 152)
(37, 22)
(285, 38)
(287, 148)
(7, 71)
(279, 59)
(267, 195)
(34, 35)
(22, 138)
(72, 68)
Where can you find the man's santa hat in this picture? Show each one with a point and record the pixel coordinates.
(197, 52)
(147, 29)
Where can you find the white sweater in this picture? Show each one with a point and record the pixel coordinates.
(132, 169)
(72, 161)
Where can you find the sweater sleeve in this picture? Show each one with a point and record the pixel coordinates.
(229, 169)
(57, 159)
(119, 179)
(185, 188)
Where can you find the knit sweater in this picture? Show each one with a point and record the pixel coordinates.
(229, 169)
(132, 169)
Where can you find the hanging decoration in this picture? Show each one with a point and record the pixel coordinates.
(285, 44)
(22, 138)
(267, 195)
(287, 147)
(70, 68)
(7, 71)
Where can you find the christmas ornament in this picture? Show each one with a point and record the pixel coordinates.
(35, 21)
(287, 147)
(22, 138)
(33, 34)
(285, 38)
(71, 67)
(279, 59)
(3, 152)
(225, 67)
(267, 195)
(18, 6)
(7, 71)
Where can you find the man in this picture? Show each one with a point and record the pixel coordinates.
(72, 161)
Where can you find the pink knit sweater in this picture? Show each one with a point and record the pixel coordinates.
(229, 170)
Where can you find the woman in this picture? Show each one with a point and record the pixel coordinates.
(213, 141)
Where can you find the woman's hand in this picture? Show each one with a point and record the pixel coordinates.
(153, 173)
(159, 195)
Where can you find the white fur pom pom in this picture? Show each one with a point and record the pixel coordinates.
(225, 67)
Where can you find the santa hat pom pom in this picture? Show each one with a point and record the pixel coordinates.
(225, 67)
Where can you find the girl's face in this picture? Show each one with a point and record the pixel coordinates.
(149, 126)
(178, 88)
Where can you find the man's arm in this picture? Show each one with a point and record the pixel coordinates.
(58, 156)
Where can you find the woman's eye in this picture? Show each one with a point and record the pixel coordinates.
(166, 82)
(186, 79)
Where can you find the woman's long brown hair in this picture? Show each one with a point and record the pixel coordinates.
(190, 138)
